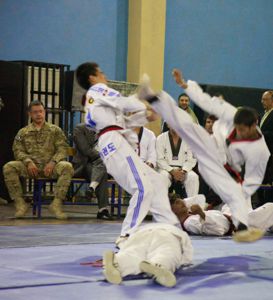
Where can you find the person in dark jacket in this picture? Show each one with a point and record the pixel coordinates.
(88, 164)
(266, 125)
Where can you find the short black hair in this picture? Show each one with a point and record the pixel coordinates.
(245, 116)
(35, 103)
(211, 117)
(183, 94)
(84, 71)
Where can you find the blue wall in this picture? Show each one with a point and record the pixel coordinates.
(224, 42)
(66, 32)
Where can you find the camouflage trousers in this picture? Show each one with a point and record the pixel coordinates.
(13, 170)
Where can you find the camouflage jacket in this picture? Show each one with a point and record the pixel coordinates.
(40, 146)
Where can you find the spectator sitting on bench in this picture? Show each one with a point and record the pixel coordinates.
(175, 161)
(88, 164)
(40, 150)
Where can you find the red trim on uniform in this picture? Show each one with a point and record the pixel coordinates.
(234, 174)
(232, 138)
(210, 206)
(109, 128)
(231, 225)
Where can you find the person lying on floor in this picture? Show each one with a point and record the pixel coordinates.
(196, 220)
(156, 249)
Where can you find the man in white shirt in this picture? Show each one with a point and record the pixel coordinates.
(175, 161)
(266, 125)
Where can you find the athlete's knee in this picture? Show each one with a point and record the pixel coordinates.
(192, 176)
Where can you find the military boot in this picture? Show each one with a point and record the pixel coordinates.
(21, 207)
(56, 208)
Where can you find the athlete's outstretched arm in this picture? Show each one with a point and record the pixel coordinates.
(213, 105)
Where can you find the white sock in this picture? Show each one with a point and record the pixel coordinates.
(94, 185)
(101, 209)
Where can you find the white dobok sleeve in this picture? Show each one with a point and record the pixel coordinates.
(124, 104)
(255, 166)
(213, 105)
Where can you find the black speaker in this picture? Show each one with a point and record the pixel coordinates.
(237, 96)
(13, 114)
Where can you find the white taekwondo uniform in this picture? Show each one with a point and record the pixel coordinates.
(157, 243)
(146, 146)
(219, 222)
(213, 154)
(261, 217)
(169, 158)
(105, 110)
(216, 222)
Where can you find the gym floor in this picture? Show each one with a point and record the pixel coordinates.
(52, 259)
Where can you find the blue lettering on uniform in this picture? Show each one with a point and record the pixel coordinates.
(107, 150)
(113, 94)
(104, 92)
(111, 147)
(97, 89)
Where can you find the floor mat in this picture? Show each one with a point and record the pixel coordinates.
(46, 235)
(221, 268)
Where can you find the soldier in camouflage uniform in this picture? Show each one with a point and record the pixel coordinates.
(40, 150)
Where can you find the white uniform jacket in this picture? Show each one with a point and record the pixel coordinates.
(105, 107)
(253, 154)
(167, 160)
(186, 245)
